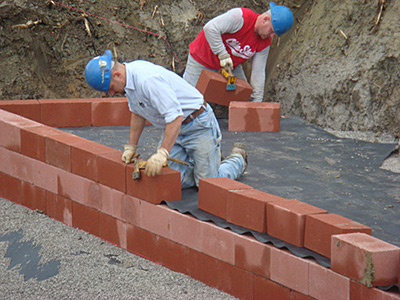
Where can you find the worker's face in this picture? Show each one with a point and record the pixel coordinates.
(263, 26)
(117, 84)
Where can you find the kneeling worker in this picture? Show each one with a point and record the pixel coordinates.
(191, 131)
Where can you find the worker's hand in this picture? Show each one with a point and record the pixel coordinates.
(225, 61)
(156, 162)
(129, 153)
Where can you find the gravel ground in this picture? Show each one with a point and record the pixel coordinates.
(81, 266)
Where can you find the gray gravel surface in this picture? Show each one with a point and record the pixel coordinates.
(79, 265)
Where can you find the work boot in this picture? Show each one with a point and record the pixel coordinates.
(240, 148)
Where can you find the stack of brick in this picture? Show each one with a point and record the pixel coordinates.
(85, 185)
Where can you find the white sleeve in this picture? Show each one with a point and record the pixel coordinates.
(257, 80)
(229, 22)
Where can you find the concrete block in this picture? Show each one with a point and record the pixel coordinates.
(254, 116)
(163, 187)
(213, 87)
(365, 259)
(29, 109)
(213, 194)
(66, 112)
(286, 220)
(320, 228)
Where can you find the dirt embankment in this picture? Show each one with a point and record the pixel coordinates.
(332, 69)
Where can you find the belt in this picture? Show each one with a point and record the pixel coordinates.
(195, 114)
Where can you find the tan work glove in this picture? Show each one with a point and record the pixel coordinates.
(225, 61)
(129, 153)
(156, 162)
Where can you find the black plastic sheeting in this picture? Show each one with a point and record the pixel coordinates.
(189, 205)
(301, 162)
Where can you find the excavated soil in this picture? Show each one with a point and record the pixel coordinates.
(337, 68)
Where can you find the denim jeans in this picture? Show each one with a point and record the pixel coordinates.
(193, 71)
(199, 144)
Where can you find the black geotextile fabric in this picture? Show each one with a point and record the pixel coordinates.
(300, 162)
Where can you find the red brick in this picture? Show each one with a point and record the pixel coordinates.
(213, 194)
(360, 291)
(112, 230)
(173, 255)
(84, 158)
(78, 189)
(33, 141)
(45, 176)
(142, 242)
(16, 165)
(131, 210)
(183, 227)
(66, 112)
(213, 87)
(289, 270)
(218, 242)
(254, 116)
(265, 289)
(326, 284)
(59, 208)
(111, 170)
(112, 202)
(10, 135)
(235, 281)
(204, 268)
(34, 197)
(246, 208)
(10, 130)
(10, 188)
(58, 149)
(155, 218)
(252, 255)
(163, 187)
(110, 112)
(366, 259)
(85, 218)
(286, 220)
(320, 228)
(26, 108)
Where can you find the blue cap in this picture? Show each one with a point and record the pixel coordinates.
(282, 18)
(98, 72)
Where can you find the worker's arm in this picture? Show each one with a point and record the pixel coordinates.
(136, 128)
(171, 133)
(229, 22)
(257, 80)
(156, 161)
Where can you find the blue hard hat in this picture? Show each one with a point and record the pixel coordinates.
(282, 18)
(98, 72)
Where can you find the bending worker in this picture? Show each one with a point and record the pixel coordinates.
(234, 37)
(192, 133)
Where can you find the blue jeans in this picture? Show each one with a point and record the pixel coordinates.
(199, 144)
(193, 70)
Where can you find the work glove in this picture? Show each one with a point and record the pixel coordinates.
(225, 61)
(156, 162)
(129, 153)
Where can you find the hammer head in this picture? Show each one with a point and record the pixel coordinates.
(136, 171)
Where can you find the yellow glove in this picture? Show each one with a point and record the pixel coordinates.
(225, 61)
(156, 162)
(129, 153)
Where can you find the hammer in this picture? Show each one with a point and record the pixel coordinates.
(139, 163)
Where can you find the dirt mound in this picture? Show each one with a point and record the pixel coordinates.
(331, 69)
